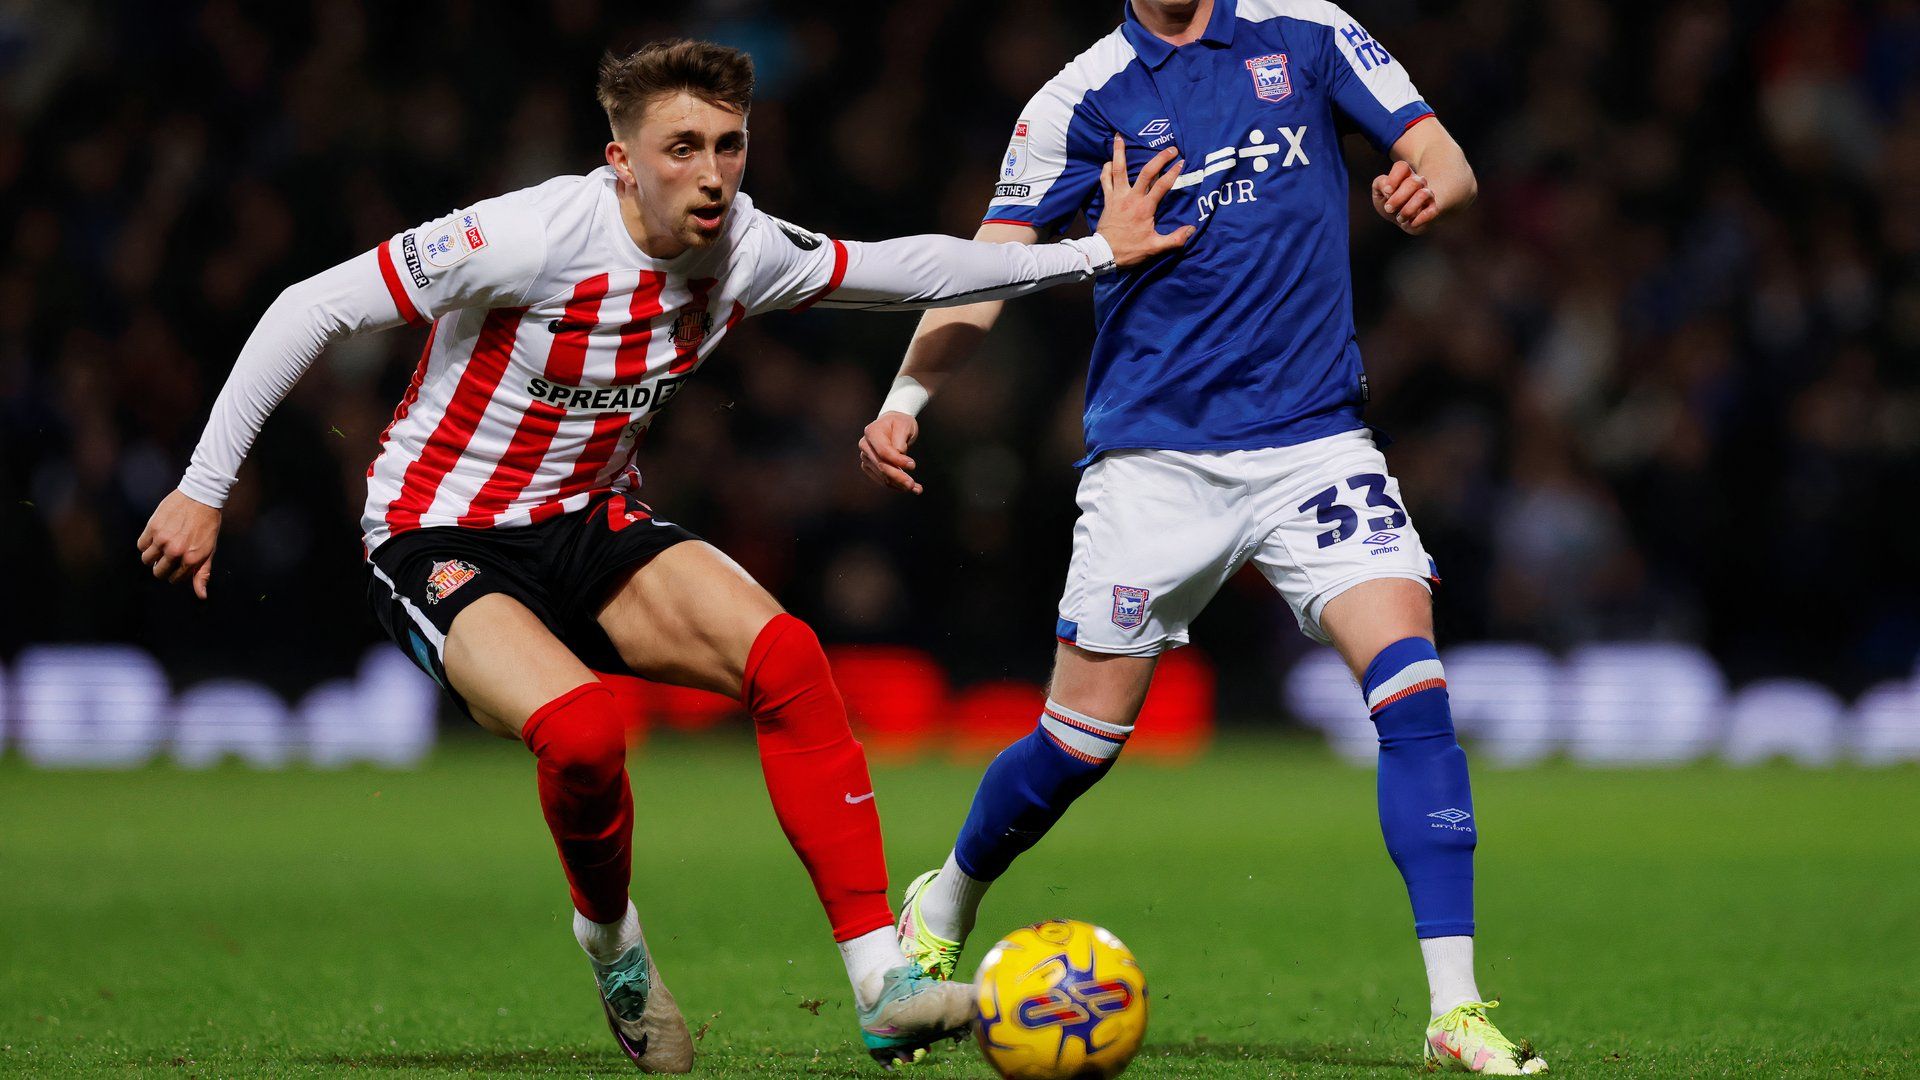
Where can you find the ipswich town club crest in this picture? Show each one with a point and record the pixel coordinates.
(1129, 606)
(690, 329)
(447, 576)
(1270, 79)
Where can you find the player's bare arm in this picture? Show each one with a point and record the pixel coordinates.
(945, 339)
(1429, 179)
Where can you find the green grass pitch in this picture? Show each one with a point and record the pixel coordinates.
(1693, 922)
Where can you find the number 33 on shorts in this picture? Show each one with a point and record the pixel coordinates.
(1161, 530)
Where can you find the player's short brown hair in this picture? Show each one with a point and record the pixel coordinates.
(713, 73)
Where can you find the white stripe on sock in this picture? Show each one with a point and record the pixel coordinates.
(1082, 735)
(1118, 731)
(1417, 672)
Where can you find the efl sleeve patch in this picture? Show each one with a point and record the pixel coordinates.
(444, 243)
(487, 255)
(1050, 168)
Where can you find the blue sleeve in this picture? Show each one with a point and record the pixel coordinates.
(1369, 86)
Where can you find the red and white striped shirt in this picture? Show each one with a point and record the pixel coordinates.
(555, 340)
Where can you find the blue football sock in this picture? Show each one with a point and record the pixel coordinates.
(1031, 784)
(1426, 802)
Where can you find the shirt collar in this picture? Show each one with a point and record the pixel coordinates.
(1155, 51)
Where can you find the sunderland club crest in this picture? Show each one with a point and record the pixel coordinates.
(691, 328)
(447, 576)
(1270, 79)
(1129, 606)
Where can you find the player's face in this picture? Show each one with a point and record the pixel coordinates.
(1168, 9)
(686, 156)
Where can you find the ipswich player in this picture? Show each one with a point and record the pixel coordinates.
(508, 554)
(1223, 426)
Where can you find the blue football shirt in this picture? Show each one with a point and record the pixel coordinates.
(1245, 339)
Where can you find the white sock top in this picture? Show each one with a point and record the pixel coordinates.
(951, 901)
(1449, 972)
(868, 958)
(606, 941)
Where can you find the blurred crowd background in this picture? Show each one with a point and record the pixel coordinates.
(1662, 382)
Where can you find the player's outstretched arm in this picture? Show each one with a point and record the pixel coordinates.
(944, 271)
(947, 337)
(1430, 179)
(179, 539)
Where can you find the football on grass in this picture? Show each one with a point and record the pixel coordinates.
(1060, 1000)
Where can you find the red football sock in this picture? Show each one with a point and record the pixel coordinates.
(581, 746)
(817, 775)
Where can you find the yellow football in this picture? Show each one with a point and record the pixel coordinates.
(1060, 1000)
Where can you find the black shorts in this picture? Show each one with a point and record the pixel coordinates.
(561, 569)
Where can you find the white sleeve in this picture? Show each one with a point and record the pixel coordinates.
(798, 268)
(307, 317)
(487, 255)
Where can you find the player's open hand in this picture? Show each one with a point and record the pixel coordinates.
(178, 541)
(1403, 197)
(1128, 219)
(883, 451)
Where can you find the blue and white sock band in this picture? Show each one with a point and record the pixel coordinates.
(1093, 741)
(1410, 680)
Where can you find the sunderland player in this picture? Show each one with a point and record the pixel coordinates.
(1223, 427)
(509, 556)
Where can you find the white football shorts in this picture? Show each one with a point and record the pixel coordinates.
(1161, 530)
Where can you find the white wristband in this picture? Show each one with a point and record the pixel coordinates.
(907, 396)
(1098, 252)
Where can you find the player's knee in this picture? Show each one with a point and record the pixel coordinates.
(1406, 691)
(1110, 686)
(596, 757)
(1373, 616)
(580, 739)
(785, 667)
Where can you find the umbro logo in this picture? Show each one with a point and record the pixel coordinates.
(1380, 538)
(1157, 133)
(1452, 815)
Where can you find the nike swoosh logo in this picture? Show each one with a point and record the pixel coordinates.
(851, 801)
